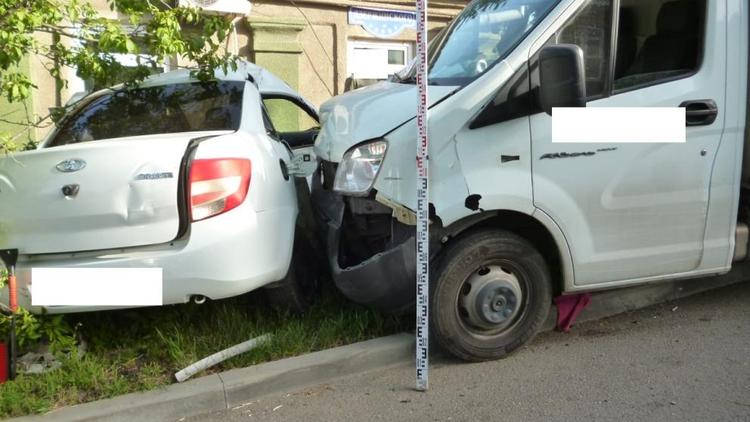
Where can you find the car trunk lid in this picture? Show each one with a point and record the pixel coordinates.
(78, 198)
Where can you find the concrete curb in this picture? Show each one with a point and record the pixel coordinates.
(613, 302)
(238, 386)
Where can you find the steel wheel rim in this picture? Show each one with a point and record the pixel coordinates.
(492, 299)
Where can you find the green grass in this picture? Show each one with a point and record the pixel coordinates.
(137, 350)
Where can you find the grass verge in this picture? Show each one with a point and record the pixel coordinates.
(136, 350)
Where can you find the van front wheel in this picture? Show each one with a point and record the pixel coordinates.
(490, 294)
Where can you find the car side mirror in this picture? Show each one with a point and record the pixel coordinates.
(562, 77)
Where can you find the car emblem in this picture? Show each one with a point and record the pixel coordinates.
(70, 166)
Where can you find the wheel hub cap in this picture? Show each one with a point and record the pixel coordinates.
(493, 298)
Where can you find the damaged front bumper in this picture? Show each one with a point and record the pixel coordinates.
(385, 280)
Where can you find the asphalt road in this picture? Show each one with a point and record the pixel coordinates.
(686, 360)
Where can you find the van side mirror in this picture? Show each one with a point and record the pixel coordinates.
(562, 77)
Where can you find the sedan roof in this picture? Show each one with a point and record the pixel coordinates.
(268, 84)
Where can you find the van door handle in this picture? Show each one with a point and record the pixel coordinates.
(700, 112)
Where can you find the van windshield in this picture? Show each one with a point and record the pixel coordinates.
(482, 35)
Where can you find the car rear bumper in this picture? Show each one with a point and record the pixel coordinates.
(224, 256)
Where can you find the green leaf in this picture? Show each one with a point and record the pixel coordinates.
(181, 32)
(130, 46)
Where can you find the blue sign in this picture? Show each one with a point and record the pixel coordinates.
(382, 23)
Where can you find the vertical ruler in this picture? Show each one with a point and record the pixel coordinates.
(423, 206)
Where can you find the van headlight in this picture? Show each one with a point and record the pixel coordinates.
(359, 168)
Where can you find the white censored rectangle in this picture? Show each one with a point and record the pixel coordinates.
(96, 286)
(618, 125)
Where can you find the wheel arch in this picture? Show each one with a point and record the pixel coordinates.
(537, 228)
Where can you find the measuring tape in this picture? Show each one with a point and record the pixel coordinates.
(423, 203)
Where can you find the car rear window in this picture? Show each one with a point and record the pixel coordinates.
(185, 107)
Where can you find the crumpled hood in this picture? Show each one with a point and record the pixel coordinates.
(368, 113)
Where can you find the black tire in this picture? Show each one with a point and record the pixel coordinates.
(296, 292)
(480, 259)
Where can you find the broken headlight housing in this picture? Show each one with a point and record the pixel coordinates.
(358, 169)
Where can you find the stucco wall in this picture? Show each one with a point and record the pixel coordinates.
(312, 57)
(13, 115)
(322, 63)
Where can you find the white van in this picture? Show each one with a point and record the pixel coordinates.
(516, 219)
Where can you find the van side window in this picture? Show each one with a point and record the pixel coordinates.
(658, 41)
(589, 29)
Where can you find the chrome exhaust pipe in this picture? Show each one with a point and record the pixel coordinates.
(199, 299)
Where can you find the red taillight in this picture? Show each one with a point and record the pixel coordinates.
(217, 185)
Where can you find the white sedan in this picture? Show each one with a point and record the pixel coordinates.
(177, 174)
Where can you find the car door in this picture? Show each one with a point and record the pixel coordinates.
(296, 124)
(637, 210)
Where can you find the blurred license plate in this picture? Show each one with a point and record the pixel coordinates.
(96, 286)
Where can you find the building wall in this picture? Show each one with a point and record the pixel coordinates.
(323, 33)
(13, 115)
(48, 92)
(302, 41)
